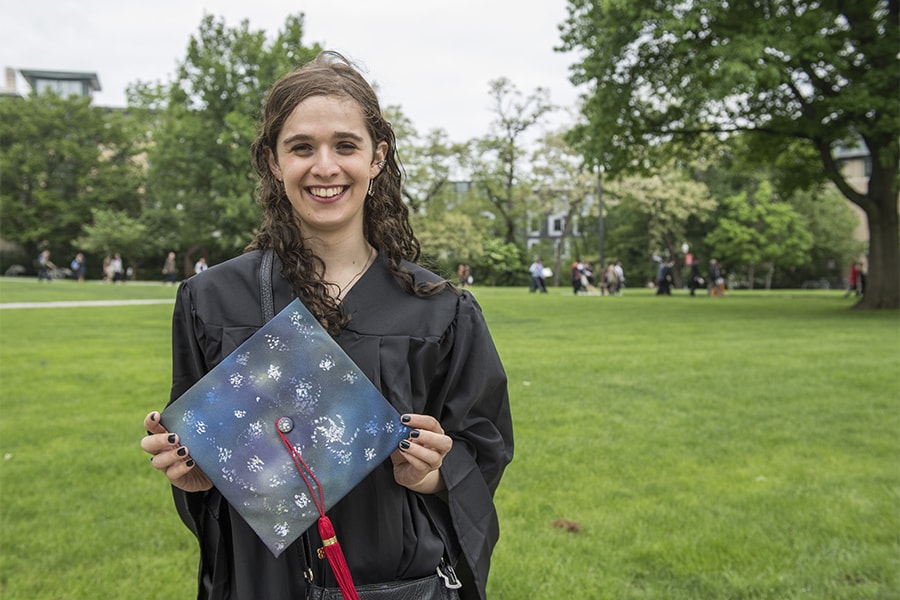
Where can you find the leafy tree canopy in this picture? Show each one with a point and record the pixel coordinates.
(806, 77)
(497, 167)
(201, 126)
(759, 232)
(59, 159)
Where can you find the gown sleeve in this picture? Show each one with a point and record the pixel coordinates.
(474, 402)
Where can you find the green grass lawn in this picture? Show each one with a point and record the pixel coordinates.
(737, 448)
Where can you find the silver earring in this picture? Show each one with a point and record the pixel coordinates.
(371, 186)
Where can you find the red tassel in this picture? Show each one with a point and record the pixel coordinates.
(326, 530)
(336, 559)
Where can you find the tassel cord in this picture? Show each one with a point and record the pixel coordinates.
(330, 545)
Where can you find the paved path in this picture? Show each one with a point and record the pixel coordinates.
(76, 303)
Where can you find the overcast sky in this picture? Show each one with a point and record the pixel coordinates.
(434, 58)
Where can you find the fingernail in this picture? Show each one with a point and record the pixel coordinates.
(190, 463)
(153, 416)
(404, 445)
(171, 438)
(181, 451)
(405, 418)
(414, 433)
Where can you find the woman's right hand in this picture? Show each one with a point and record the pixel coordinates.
(173, 459)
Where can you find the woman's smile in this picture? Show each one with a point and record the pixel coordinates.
(327, 194)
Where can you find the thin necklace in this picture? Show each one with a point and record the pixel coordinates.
(346, 286)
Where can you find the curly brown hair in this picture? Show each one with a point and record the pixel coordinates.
(386, 218)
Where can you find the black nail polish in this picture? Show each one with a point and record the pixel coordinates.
(171, 438)
(414, 433)
(182, 451)
(405, 418)
(153, 417)
(190, 463)
(404, 445)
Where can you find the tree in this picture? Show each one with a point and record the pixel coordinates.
(453, 238)
(560, 183)
(59, 158)
(805, 77)
(500, 264)
(111, 231)
(497, 170)
(202, 125)
(668, 200)
(831, 222)
(759, 231)
(439, 208)
(428, 162)
(826, 214)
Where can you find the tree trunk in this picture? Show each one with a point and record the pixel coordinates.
(558, 267)
(770, 272)
(883, 274)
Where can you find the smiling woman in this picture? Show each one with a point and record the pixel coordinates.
(326, 160)
(335, 233)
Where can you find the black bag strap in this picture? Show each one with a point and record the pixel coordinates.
(267, 306)
(266, 292)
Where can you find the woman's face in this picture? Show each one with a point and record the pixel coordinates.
(325, 158)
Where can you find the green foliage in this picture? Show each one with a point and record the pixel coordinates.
(662, 72)
(497, 166)
(451, 239)
(428, 162)
(202, 125)
(501, 264)
(742, 447)
(667, 202)
(831, 221)
(59, 159)
(112, 231)
(757, 232)
(803, 78)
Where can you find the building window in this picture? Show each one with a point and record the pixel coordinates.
(61, 87)
(556, 225)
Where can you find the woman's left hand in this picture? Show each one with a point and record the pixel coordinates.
(418, 461)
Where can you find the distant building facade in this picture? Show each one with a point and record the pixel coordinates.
(63, 83)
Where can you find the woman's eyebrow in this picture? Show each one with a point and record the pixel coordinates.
(337, 135)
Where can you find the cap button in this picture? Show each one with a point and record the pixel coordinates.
(285, 424)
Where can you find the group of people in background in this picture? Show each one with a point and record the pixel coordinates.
(170, 268)
(716, 279)
(856, 280)
(583, 280)
(714, 283)
(611, 280)
(114, 269)
(538, 273)
(464, 275)
(46, 269)
(664, 278)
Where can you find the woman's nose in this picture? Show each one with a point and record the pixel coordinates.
(325, 164)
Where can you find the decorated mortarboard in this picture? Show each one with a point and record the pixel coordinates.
(286, 426)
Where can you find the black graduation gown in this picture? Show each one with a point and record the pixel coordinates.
(426, 355)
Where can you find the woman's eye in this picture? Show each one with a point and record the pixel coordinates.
(301, 149)
(346, 147)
